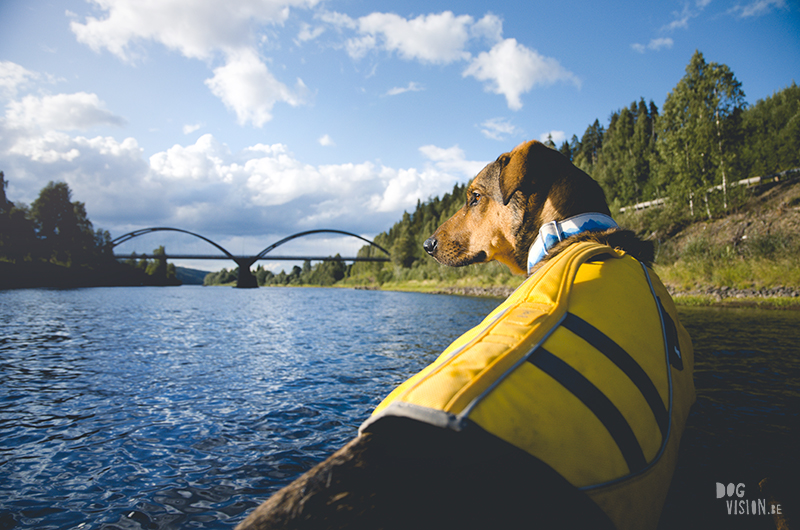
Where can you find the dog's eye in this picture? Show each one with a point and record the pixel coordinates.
(474, 198)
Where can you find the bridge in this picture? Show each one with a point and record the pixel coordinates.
(245, 278)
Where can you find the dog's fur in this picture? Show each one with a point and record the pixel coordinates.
(407, 474)
(509, 201)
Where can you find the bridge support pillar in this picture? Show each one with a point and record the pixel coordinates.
(245, 280)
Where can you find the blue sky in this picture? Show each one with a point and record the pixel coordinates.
(248, 120)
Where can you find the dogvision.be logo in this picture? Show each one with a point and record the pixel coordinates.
(737, 505)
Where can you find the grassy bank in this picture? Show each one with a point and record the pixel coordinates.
(749, 257)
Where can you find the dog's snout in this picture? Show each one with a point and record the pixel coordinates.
(430, 245)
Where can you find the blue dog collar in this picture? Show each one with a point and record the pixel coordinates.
(555, 231)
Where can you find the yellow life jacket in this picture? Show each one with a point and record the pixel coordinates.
(586, 367)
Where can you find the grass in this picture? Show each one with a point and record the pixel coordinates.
(736, 273)
(704, 260)
(759, 303)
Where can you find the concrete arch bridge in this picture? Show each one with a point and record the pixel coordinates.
(245, 278)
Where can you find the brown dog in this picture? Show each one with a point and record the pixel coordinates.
(511, 199)
(405, 474)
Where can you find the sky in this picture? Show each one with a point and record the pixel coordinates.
(250, 120)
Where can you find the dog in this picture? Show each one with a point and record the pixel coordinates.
(404, 473)
(511, 199)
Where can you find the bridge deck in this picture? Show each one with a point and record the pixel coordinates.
(243, 258)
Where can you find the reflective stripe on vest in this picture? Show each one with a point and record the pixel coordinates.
(573, 368)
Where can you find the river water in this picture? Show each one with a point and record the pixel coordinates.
(188, 406)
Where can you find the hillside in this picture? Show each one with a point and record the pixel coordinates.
(189, 276)
(754, 251)
(746, 256)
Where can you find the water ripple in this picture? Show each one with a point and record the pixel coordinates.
(174, 407)
(165, 408)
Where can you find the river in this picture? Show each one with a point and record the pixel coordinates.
(187, 406)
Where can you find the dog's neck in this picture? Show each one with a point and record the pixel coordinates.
(553, 232)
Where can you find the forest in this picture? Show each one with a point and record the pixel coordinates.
(53, 243)
(690, 156)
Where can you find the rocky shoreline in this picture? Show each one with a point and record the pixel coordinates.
(716, 294)
(489, 292)
(724, 293)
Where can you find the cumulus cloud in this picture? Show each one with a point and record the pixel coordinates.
(512, 69)
(498, 129)
(110, 176)
(412, 87)
(326, 141)
(248, 88)
(195, 29)
(490, 28)
(509, 68)
(435, 38)
(207, 188)
(12, 77)
(202, 30)
(64, 112)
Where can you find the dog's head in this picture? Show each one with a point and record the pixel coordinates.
(507, 203)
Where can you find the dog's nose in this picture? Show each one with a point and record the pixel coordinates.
(430, 245)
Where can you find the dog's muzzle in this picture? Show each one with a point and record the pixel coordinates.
(430, 245)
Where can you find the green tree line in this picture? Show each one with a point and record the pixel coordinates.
(324, 273)
(52, 242)
(691, 153)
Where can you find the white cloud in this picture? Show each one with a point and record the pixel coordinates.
(248, 88)
(189, 129)
(490, 27)
(757, 8)
(12, 77)
(196, 29)
(681, 19)
(307, 32)
(204, 186)
(339, 20)
(435, 38)
(558, 137)
(64, 112)
(498, 129)
(412, 87)
(512, 69)
(326, 141)
(451, 160)
(654, 44)
(202, 30)
(509, 68)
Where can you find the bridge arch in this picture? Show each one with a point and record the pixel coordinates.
(318, 231)
(246, 278)
(136, 233)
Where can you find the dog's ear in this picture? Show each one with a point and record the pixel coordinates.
(528, 162)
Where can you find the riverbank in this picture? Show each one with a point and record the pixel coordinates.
(774, 298)
(40, 273)
(750, 257)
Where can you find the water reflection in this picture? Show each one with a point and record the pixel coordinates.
(166, 408)
(744, 426)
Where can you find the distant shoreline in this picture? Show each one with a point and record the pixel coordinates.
(775, 298)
